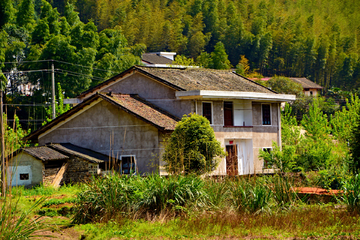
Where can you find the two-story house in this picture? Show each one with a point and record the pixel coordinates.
(129, 116)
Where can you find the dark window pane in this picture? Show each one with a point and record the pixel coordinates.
(228, 114)
(128, 165)
(266, 115)
(207, 111)
(24, 176)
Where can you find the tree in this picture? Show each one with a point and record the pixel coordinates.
(192, 147)
(285, 85)
(219, 57)
(355, 145)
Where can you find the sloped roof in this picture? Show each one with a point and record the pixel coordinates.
(306, 83)
(42, 153)
(187, 79)
(131, 104)
(153, 58)
(205, 79)
(62, 151)
(87, 154)
(141, 108)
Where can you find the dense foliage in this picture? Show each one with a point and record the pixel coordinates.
(192, 147)
(316, 39)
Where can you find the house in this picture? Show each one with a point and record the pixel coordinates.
(63, 162)
(130, 116)
(158, 59)
(310, 88)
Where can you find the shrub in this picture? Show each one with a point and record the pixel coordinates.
(192, 147)
(351, 194)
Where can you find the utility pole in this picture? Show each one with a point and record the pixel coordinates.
(3, 170)
(53, 90)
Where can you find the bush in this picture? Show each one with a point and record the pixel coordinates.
(192, 147)
(351, 195)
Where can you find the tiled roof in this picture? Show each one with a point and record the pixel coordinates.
(186, 79)
(129, 103)
(306, 83)
(62, 151)
(143, 109)
(205, 79)
(153, 58)
(84, 153)
(44, 153)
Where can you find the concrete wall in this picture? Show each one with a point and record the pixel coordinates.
(109, 130)
(254, 138)
(154, 92)
(36, 168)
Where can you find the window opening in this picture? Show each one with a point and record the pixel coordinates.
(207, 111)
(24, 176)
(266, 117)
(228, 114)
(128, 165)
(267, 164)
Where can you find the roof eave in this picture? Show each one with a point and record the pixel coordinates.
(199, 94)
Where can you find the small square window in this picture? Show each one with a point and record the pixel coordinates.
(24, 176)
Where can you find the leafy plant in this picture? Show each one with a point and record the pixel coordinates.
(192, 147)
(351, 194)
(251, 197)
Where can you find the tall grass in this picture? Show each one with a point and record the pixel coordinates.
(351, 194)
(251, 196)
(15, 226)
(104, 198)
(283, 192)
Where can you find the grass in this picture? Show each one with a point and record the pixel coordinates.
(190, 207)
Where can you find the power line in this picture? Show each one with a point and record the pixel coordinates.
(78, 74)
(59, 61)
(29, 71)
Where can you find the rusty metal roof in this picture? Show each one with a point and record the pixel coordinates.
(142, 109)
(306, 83)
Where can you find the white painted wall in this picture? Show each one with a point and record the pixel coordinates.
(13, 175)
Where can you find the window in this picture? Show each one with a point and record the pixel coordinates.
(24, 176)
(266, 114)
(128, 164)
(267, 164)
(228, 114)
(207, 111)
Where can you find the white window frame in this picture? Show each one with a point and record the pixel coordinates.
(121, 163)
(271, 120)
(264, 160)
(212, 110)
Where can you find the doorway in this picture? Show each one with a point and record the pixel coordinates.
(231, 160)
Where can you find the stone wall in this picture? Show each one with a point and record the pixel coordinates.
(79, 170)
(49, 175)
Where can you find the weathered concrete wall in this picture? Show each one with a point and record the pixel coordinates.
(261, 136)
(107, 129)
(154, 92)
(36, 166)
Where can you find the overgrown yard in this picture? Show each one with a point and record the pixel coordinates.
(118, 207)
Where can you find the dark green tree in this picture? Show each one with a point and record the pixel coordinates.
(26, 14)
(192, 147)
(219, 57)
(7, 12)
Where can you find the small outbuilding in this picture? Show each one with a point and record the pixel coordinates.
(53, 164)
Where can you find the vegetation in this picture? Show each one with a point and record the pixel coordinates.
(192, 147)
